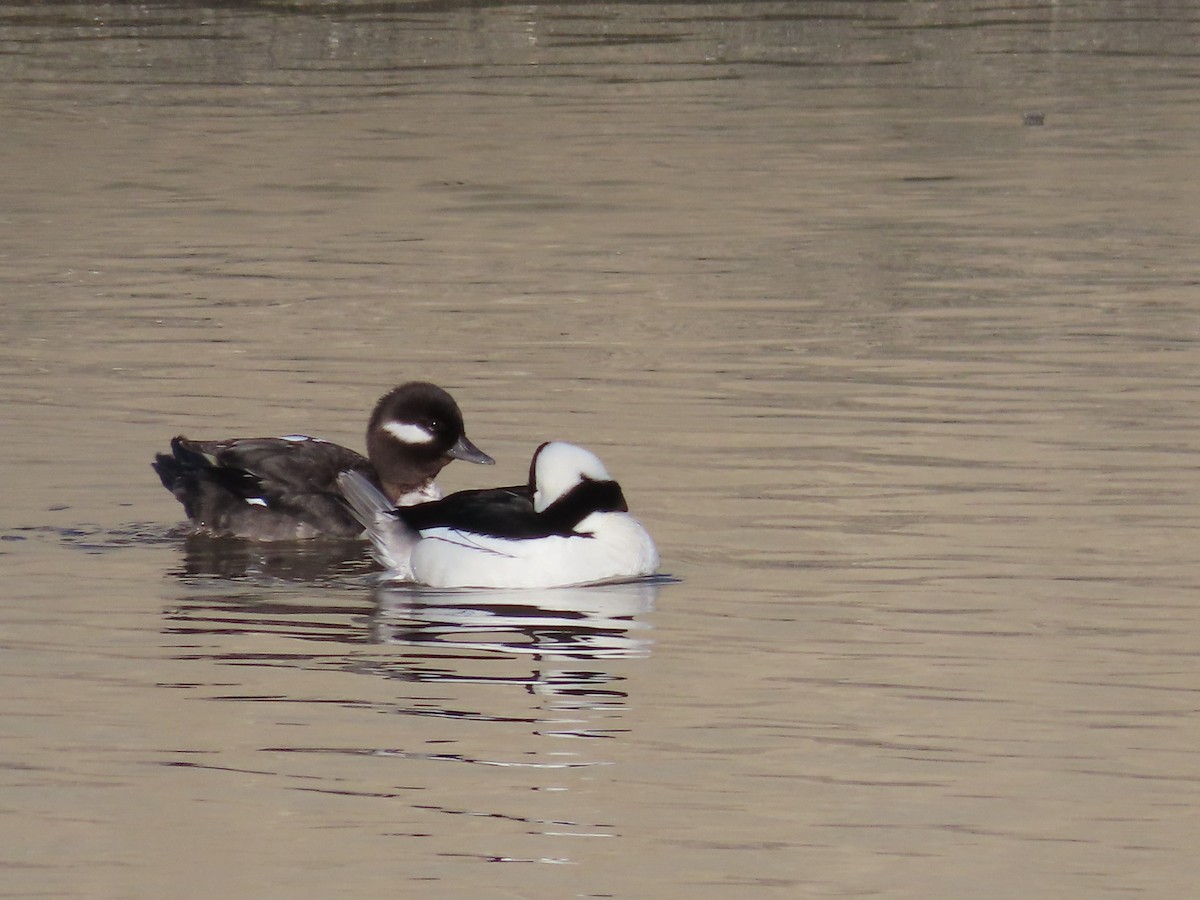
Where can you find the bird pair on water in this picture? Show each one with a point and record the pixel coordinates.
(569, 524)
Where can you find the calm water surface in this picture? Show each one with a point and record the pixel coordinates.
(905, 384)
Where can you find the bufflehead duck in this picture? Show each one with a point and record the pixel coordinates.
(285, 488)
(569, 526)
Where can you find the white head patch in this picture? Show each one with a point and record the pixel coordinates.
(561, 466)
(408, 432)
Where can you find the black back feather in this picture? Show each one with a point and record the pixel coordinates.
(509, 513)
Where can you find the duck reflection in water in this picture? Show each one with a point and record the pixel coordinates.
(237, 560)
(450, 656)
(560, 629)
(593, 622)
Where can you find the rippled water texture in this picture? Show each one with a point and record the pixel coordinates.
(884, 314)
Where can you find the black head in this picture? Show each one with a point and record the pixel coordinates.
(569, 483)
(418, 426)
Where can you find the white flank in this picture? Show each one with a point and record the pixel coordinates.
(607, 546)
(256, 501)
(619, 549)
(408, 432)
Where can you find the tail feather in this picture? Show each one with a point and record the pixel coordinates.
(198, 483)
(392, 541)
(189, 454)
(168, 469)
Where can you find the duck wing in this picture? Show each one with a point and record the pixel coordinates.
(297, 462)
(504, 512)
(264, 489)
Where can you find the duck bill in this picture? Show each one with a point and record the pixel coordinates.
(463, 449)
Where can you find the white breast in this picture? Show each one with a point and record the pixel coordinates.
(422, 494)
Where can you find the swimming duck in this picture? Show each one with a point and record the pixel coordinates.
(570, 525)
(285, 488)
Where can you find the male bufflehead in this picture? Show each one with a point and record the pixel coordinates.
(285, 488)
(569, 526)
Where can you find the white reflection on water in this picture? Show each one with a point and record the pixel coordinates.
(559, 628)
(594, 622)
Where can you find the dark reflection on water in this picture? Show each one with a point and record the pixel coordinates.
(250, 613)
(316, 561)
(336, 563)
(92, 538)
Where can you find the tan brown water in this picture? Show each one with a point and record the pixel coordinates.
(886, 315)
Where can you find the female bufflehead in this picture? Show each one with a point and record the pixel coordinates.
(285, 488)
(569, 526)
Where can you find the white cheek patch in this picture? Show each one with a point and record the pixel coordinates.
(408, 433)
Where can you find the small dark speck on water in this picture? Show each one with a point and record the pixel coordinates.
(1033, 118)
(58, 508)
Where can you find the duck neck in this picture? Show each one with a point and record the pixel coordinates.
(581, 501)
(400, 476)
